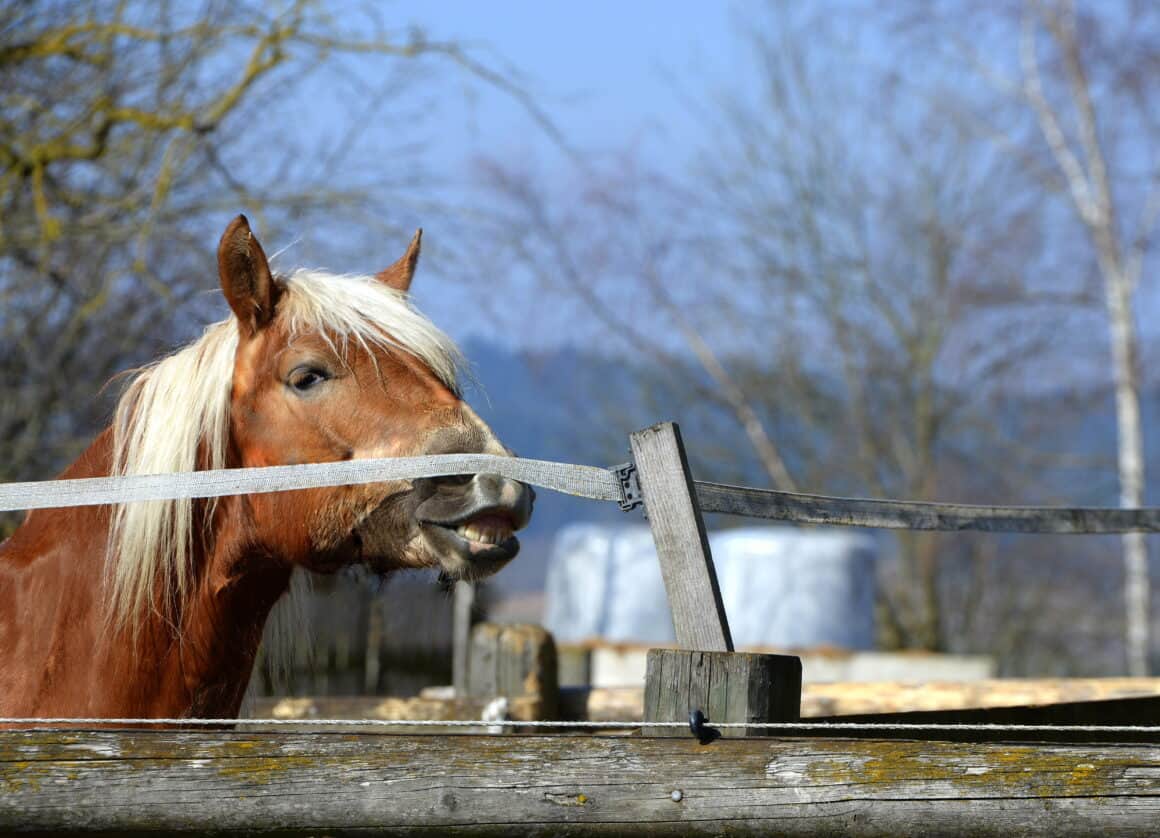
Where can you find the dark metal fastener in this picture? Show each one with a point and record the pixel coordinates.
(630, 495)
(698, 724)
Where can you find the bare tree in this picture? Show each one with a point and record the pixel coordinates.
(842, 277)
(1080, 110)
(129, 129)
(1120, 259)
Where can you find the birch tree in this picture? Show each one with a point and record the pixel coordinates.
(1078, 107)
(1084, 163)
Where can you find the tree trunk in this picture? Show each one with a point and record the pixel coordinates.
(1090, 187)
(1131, 467)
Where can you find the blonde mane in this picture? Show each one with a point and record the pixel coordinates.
(174, 416)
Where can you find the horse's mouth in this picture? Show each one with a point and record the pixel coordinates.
(478, 543)
(482, 532)
(464, 528)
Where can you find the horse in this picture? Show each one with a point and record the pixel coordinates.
(156, 609)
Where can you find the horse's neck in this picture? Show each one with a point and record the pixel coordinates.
(223, 621)
(57, 655)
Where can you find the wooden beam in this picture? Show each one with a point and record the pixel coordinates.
(525, 708)
(327, 783)
(921, 515)
(670, 501)
(818, 700)
(1112, 711)
(864, 698)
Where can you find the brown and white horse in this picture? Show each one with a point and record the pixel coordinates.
(156, 609)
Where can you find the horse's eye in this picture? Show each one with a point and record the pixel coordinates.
(306, 378)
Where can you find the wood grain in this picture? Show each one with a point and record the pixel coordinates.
(725, 686)
(679, 533)
(301, 784)
(514, 661)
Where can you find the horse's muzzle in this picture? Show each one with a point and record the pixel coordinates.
(472, 520)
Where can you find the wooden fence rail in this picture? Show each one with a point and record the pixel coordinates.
(310, 784)
(872, 783)
(800, 508)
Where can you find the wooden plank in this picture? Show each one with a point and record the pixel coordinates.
(682, 544)
(920, 515)
(1114, 711)
(1097, 698)
(854, 698)
(524, 708)
(300, 784)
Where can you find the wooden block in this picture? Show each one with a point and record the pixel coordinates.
(574, 665)
(725, 686)
(670, 500)
(516, 662)
(482, 674)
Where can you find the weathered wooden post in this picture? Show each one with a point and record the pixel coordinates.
(706, 674)
(463, 604)
(516, 662)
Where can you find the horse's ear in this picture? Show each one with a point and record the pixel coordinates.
(399, 275)
(245, 276)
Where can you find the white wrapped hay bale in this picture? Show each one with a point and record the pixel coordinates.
(604, 583)
(782, 587)
(797, 589)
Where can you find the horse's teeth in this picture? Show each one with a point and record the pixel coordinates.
(482, 534)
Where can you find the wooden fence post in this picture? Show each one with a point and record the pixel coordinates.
(724, 686)
(670, 500)
(517, 662)
(706, 674)
(463, 604)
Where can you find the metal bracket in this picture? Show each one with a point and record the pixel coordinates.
(630, 496)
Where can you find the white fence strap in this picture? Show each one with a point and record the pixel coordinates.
(584, 481)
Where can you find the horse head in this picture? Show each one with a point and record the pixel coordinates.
(332, 368)
(157, 608)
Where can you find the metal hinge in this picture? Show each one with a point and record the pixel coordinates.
(630, 496)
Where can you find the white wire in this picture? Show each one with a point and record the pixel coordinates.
(789, 726)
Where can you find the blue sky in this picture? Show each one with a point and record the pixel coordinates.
(612, 77)
(608, 73)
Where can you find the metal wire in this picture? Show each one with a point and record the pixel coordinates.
(565, 725)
